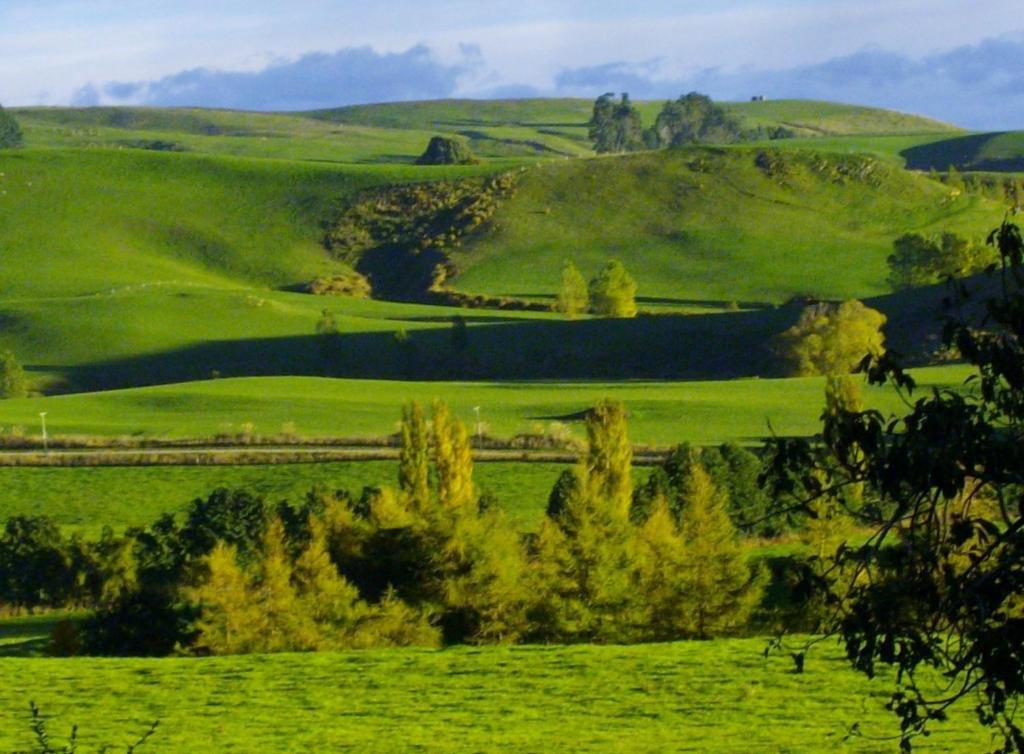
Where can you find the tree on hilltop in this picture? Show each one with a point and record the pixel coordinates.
(615, 126)
(693, 119)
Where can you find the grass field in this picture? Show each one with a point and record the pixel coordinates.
(720, 696)
(660, 413)
(87, 499)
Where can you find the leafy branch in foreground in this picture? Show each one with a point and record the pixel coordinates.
(43, 744)
(937, 589)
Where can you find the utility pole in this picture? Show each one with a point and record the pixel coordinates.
(42, 419)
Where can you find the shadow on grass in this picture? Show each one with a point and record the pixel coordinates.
(961, 152)
(667, 347)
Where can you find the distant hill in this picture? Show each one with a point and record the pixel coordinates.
(569, 116)
(1002, 151)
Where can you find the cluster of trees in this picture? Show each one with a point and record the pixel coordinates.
(427, 563)
(10, 131)
(922, 260)
(832, 339)
(610, 293)
(691, 119)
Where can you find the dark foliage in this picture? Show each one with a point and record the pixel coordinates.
(10, 131)
(447, 150)
(939, 582)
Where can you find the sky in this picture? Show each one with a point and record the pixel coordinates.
(957, 60)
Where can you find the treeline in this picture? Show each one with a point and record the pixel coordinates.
(430, 562)
(691, 119)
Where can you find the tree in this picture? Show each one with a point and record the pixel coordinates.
(585, 570)
(10, 131)
(12, 377)
(573, 297)
(693, 119)
(917, 260)
(938, 582)
(615, 127)
(613, 291)
(832, 340)
(717, 585)
(453, 461)
(414, 456)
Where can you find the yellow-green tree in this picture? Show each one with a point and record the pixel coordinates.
(608, 464)
(586, 562)
(613, 291)
(325, 595)
(662, 577)
(718, 585)
(453, 461)
(230, 621)
(573, 297)
(832, 340)
(414, 456)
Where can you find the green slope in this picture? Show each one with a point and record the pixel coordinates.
(78, 222)
(700, 224)
(987, 151)
(569, 115)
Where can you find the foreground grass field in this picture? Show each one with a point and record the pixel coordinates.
(660, 413)
(720, 696)
(86, 499)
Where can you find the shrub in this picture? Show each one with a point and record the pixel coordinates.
(447, 150)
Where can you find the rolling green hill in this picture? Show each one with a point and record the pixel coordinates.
(130, 267)
(569, 116)
(746, 224)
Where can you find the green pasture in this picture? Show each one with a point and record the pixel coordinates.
(89, 498)
(661, 413)
(715, 225)
(716, 696)
(76, 222)
(290, 136)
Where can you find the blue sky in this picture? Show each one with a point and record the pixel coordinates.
(954, 59)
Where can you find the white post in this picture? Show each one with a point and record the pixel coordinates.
(42, 419)
(479, 429)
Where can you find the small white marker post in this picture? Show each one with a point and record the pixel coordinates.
(479, 429)
(42, 419)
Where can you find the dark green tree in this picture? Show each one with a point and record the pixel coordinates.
(693, 119)
(615, 126)
(10, 131)
(447, 150)
(938, 583)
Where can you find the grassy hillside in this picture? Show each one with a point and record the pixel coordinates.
(987, 151)
(568, 115)
(716, 696)
(744, 224)
(78, 222)
(270, 135)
